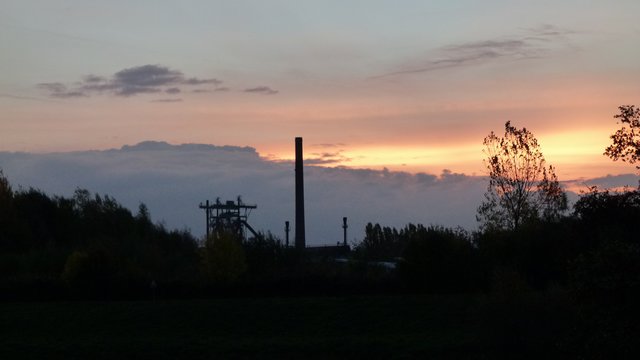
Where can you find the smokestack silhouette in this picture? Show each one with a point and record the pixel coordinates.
(300, 237)
(344, 226)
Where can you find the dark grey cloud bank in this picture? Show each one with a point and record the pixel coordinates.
(173, 179)
(529, 44)
(145, 79)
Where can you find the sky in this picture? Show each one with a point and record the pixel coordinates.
(408, 86)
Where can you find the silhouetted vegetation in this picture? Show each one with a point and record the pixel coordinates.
(577, 273)
(626, 141)
(91, 240)
(440, 260)
(87, 244)
(521, 187)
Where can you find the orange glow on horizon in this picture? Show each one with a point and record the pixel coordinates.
(575, 155)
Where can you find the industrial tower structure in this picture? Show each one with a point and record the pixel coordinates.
(229, 217)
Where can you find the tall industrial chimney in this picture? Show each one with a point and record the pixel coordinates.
(300, 237)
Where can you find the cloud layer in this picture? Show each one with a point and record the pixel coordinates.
(173, 179)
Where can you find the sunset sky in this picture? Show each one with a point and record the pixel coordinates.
(407, 85)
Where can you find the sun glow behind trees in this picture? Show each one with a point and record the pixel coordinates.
(576, 155)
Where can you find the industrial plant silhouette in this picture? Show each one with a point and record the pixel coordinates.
(231, 217)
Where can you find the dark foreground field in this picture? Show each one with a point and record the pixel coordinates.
(456, 326)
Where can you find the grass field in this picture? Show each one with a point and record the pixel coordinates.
(456, 326)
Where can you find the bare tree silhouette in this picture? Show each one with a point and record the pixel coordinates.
(521, 187)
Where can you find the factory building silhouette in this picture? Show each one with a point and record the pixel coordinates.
(232, 217)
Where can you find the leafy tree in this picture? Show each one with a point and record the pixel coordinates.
(224, 259)
(521, 187)
(626, 141)
(143, 214)
(5, 189)
(380, 243)
(267, 257)
(6, 197)
(605, 276)
(605, 215)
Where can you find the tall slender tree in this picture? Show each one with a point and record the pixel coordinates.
(521, 186)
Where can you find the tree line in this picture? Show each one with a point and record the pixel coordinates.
(88, 242)
(528, 240)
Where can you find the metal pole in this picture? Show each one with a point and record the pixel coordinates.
(286, 231)
(344, 226)
(208, 215)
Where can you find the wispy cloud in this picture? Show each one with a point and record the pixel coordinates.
(29, 98)
(265, 90)
(196, 81)
(327, 158)
(329, 146)
(166, 100)
(546, 32)
(59, 90)
(145, 79)
(531, 43)
(606, 182)
(217, 89)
